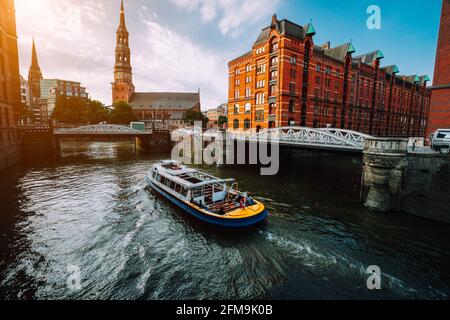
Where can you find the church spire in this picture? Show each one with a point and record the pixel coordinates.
(34, 59)
(34, 74)
(122, 17)
(123, 87)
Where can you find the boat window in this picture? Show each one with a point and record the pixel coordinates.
(197, 192)
(153, 174)
(172, 185)
(184, 192)
(167, 183)
(158, 178)
(177, 188)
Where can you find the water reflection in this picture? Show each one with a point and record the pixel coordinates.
(91, 209)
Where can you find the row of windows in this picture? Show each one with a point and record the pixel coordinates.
(170, 184)
(327, 70)
(260, 50)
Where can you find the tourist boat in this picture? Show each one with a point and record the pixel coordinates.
(206, 197)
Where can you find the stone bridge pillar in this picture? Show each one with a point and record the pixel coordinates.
(383, 175)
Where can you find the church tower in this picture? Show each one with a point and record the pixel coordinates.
(122, 87)
(34, 75)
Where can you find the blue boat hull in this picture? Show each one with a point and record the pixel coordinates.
(232, 223)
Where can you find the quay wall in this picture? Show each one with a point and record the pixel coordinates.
(398, 178)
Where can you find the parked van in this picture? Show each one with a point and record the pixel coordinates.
(440, 140)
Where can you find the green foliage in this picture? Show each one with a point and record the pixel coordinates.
(222, 120)
(71, 110)
(77, 110)
(23, 111)
(191, 116)
(97, 112)
(121, 113)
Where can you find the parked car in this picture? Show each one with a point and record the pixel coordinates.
(440, 140)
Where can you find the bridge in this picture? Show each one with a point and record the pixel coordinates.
(327, 139)
(101, 130)
(45, 137)
(330, 139)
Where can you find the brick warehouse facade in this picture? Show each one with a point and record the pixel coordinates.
(288, 80)
(440, 102)
(9, 86)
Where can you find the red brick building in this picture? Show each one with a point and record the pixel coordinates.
(286, 79)
(10, 97)
(440, 102)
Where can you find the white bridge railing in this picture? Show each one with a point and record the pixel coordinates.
(101, 129)
(320, 138)
(330, 138)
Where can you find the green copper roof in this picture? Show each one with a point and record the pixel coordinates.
(310, 31)
(416, 78)
(351, 48)
(380, 55)
(426, 78)
(392, 69)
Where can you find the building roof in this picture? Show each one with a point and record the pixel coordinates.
(339, 52)
(369, 58)
(287, 28)
(391, 69)
(165, 100)
(412, 78)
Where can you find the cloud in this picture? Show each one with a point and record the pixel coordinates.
(168, 61)
(234, 15)
(75, 41)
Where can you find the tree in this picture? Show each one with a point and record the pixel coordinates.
(190, 117)
(97, 112)
(71, 110)
(23, 112)
(222, 120)
(122, 113)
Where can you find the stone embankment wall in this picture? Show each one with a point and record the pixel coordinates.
(397, 178)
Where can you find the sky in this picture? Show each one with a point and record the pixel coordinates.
(185, 45)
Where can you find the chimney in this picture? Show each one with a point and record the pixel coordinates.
(326, 45)
(274, 20)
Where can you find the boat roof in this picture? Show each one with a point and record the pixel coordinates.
(174, 174)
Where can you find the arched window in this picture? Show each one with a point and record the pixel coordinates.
(248, 108)
(236, 109)
(274, 45)
(235, 124)
(246, 124)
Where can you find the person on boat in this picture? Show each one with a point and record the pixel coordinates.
(242, 203)
(250, 200)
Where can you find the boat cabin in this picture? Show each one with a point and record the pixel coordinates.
(201, 189)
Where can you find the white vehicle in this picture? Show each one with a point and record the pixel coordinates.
(440, 140)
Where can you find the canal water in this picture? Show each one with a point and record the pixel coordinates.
(85, 226)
